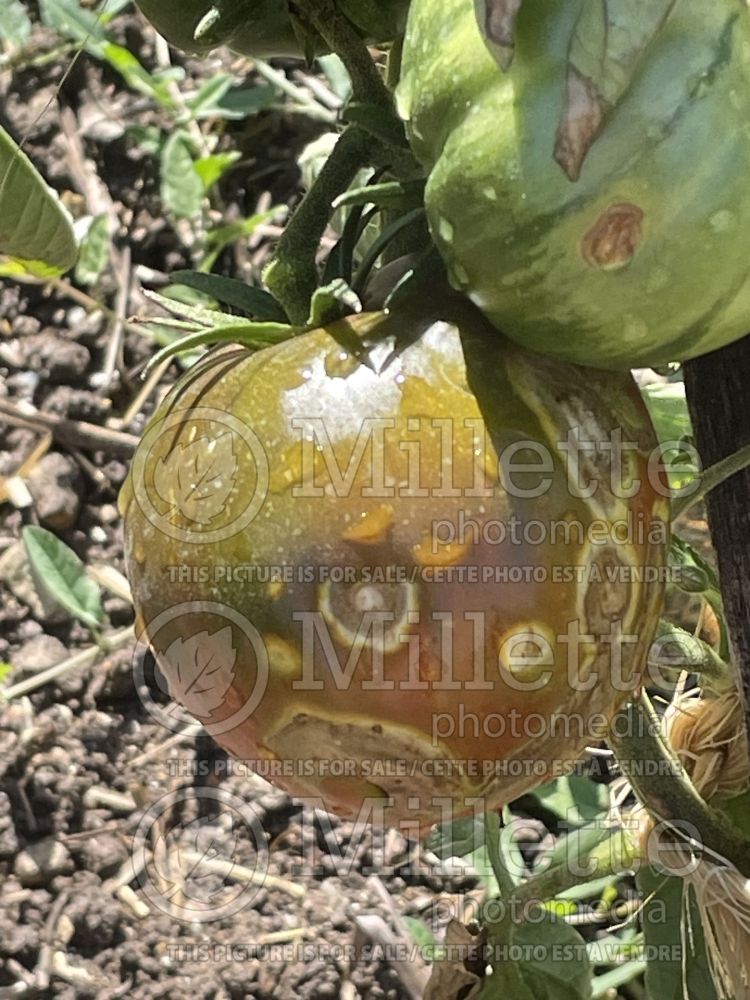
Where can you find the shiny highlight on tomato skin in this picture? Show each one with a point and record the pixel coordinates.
(430, 606)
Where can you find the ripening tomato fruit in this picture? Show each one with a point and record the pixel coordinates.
(398, 563)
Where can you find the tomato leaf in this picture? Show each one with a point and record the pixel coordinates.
(681, 968)
(606, 984)
(690, 573)
(333, 301)
(377, 121)
(212, 168)
(575, 799)
(553, 964)
(255, 302)
(70, 19)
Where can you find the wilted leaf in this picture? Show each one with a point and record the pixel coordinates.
(200, 670)
(450, 977)
(552, 964)
(610, 38)
(197, 479)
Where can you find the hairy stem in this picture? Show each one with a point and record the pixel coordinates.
(664, 787)
(678, 649)
(292, 276)
(712, 477)
(337, 31)
(615, 855)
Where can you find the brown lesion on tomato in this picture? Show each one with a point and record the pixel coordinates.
(345, 749)
(525, 653)
(499, 26)
(609, 591)
(391, 606)
(581, 122)
(284, 659)
(614, 238)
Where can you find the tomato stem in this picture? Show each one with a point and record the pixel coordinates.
(337, 31)
(712, 477)
(613, 856)
(292, 276)
(662, 784)
(694, 655)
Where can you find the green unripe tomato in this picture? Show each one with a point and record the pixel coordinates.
(254, 27)
(374, 562)
(592, 198)
(262, 27)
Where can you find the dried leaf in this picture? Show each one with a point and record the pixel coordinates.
(497, 21)
(197, 479)
(609, 41)
(450, 978)
(200, 670)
